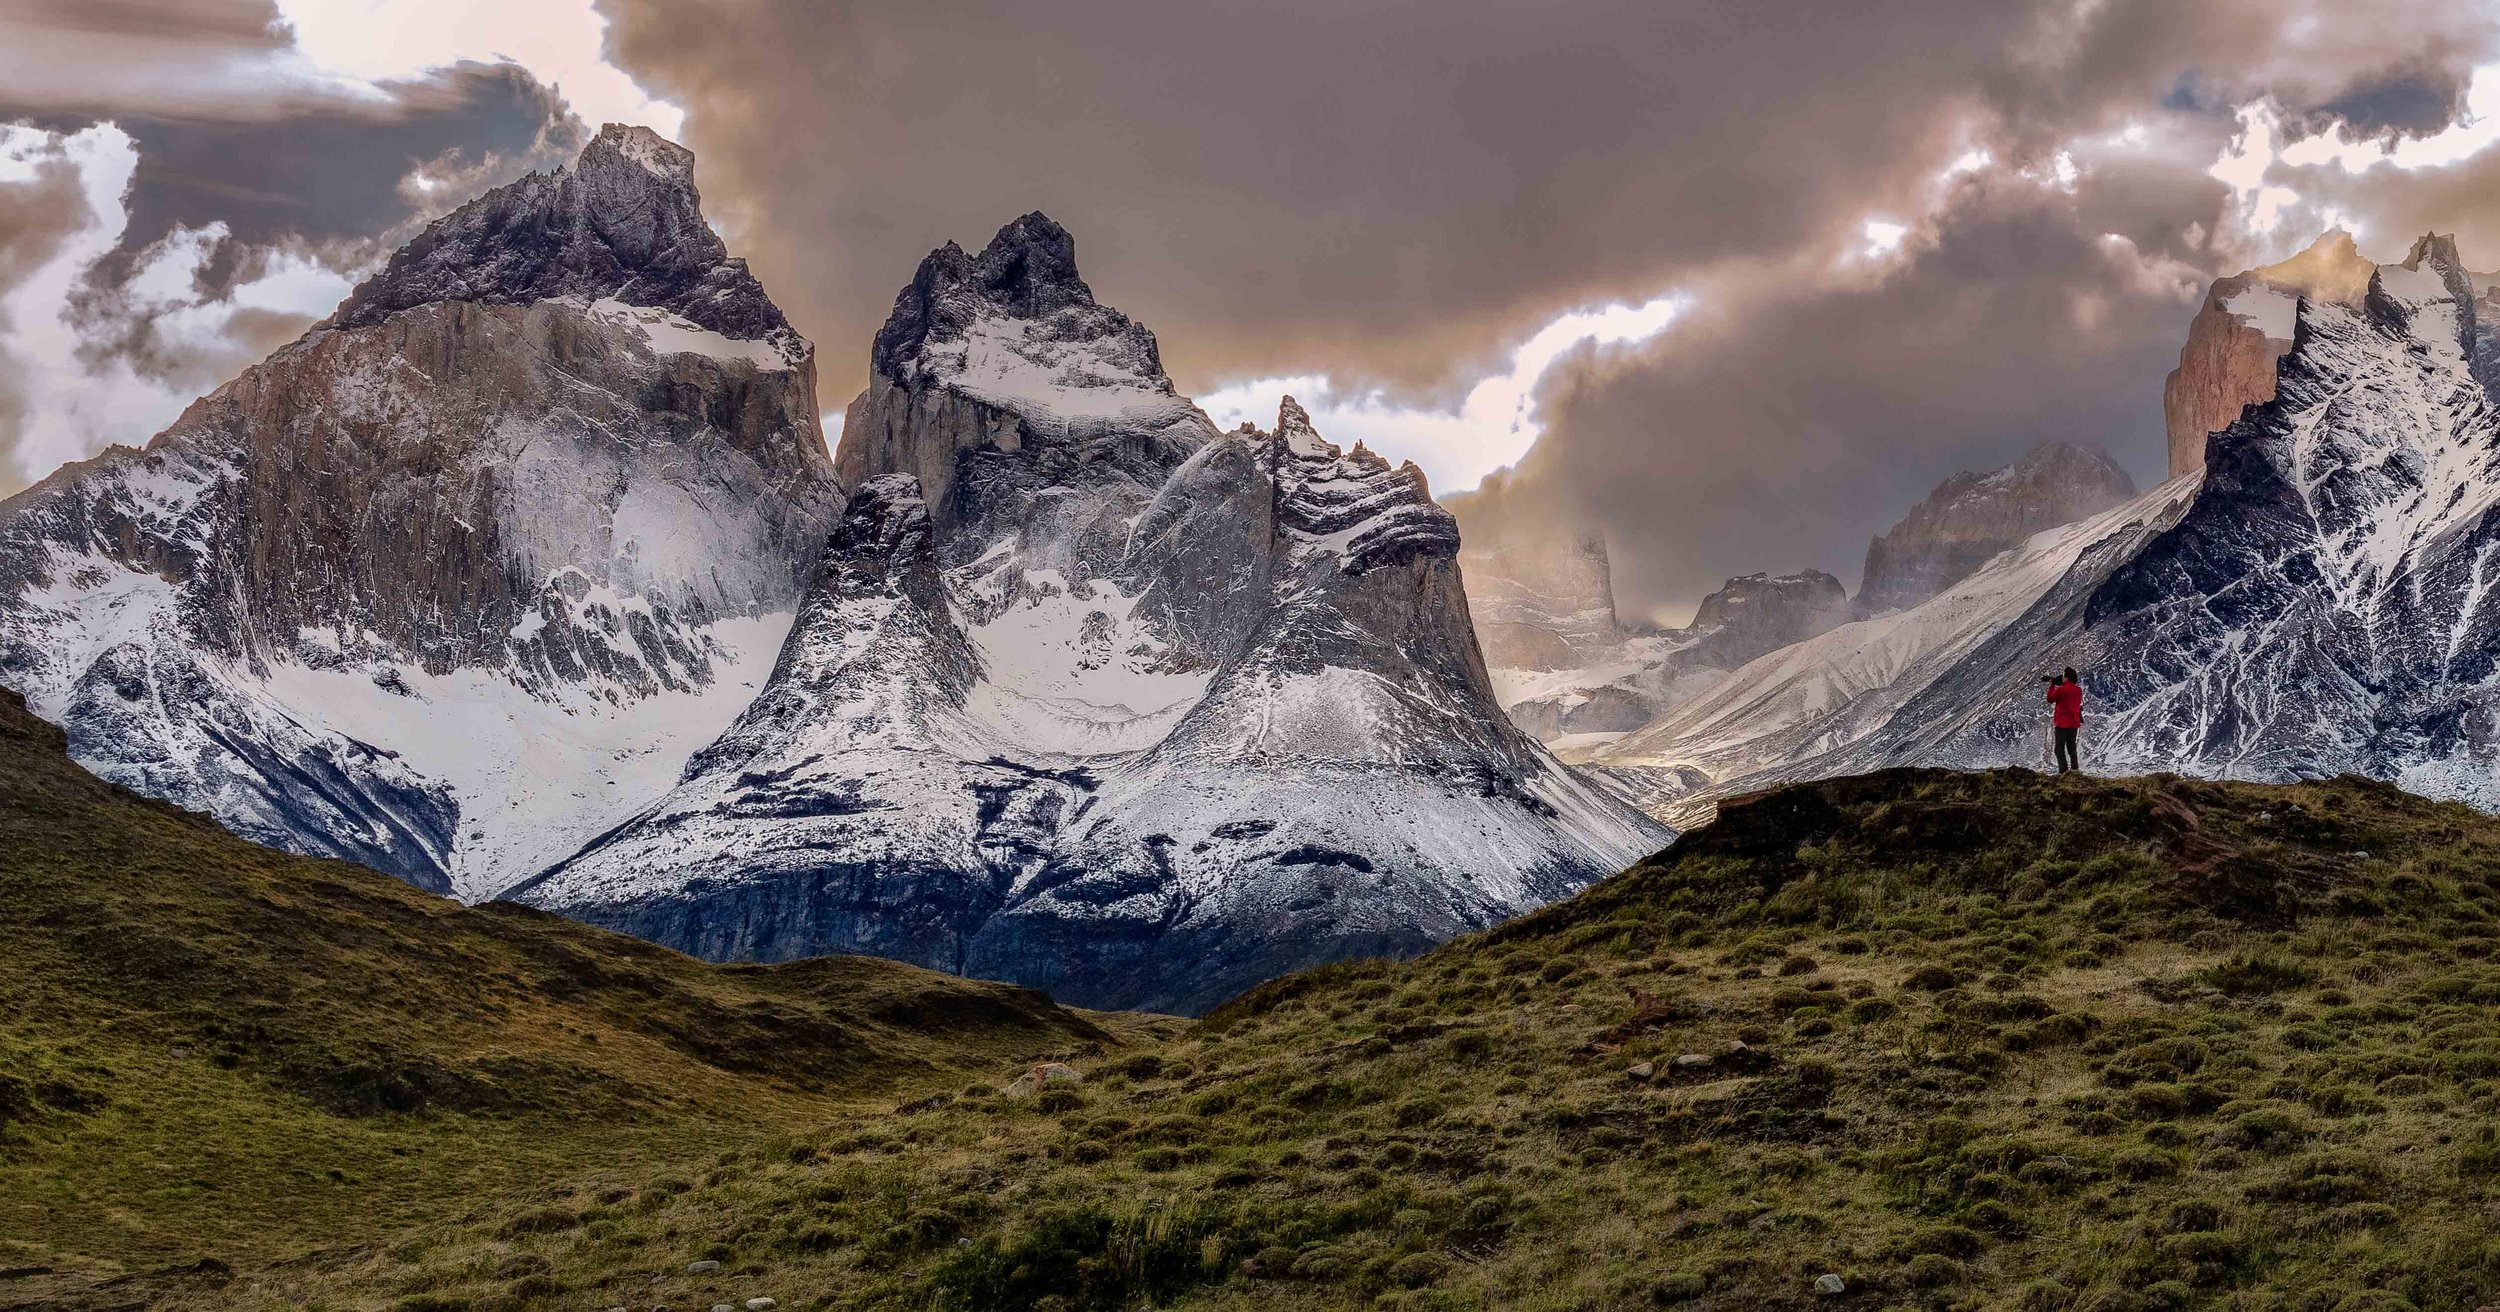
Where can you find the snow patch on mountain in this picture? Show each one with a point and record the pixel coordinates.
(2269, 310)
(670, 334)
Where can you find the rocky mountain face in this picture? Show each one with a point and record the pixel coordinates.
(2314, 601)
(1090, 696)
(1755, 613)
(2242, 332)
(460, 578)
(1544, 603)
(1970, 518)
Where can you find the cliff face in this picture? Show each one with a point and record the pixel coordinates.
(1755, 613)
(1542, 603)
(2240, 335)
(1971, 518)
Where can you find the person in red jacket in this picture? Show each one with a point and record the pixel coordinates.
(2066, 716)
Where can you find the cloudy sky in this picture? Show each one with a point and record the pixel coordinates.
(1732, 282)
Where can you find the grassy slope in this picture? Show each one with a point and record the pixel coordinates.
(2009, 1042)
(212, 1050)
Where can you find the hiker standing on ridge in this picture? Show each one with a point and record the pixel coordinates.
(2066, 697)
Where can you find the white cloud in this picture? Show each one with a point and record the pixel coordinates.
(1492, 427)
(560, 41)
(2244, 165)
(2263, 198)
(75, 405)
(1883, 237)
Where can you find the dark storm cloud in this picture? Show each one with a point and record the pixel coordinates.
(340, 175)
(1785, 419)
(1394, 187)
(2403, 105)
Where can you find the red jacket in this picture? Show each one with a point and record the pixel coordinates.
(2068, 699)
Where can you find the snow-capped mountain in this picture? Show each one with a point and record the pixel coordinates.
(463, 576)
(2316, 599)
(1090, 696)
(1972, 518)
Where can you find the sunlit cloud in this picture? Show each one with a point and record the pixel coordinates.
(1492, 427)
(2243, 167)
(1884, 237)
(561, 42)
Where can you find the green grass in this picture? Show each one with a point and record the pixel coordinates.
(212, 1051)
(1974, 1041)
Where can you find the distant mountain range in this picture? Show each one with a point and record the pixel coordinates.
(1569, 670)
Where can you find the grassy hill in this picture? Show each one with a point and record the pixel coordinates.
(213, 1056)
(1960, 1041)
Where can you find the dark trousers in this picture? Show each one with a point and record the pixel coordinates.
(2066, 757)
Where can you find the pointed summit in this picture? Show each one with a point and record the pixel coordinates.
(623, 220)
(643, 148)
(1027, 273)
(2331, 269)
(2437, 249)
(1292, 420)
(1030, 268)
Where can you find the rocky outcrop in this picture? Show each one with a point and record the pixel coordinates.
(625, 221)
(1755, 613)
(1187, 709)
(460, 578)
(1970, 518)
(1544, 603)
(2241, 332)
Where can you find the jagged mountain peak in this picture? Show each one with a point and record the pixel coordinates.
(645, 149)
(2332, 268)
(1030, 268)
(1352, 508)
(462, 576)
(2439, 250)
(623, 221)
(1027, 274)
(2245, 325)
